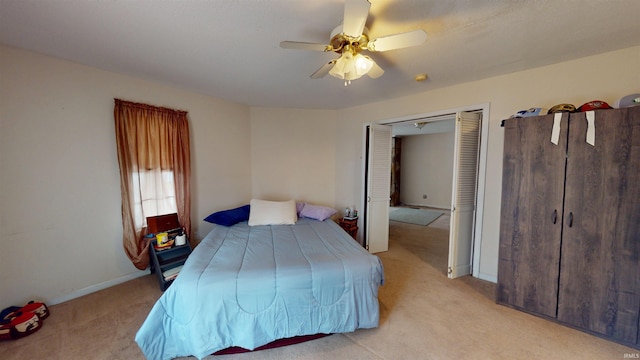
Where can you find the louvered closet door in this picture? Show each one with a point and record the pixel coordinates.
(463, 198)
(531, 214)
(378, 188)
(600, 270)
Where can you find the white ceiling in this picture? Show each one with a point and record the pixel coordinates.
(230, 48)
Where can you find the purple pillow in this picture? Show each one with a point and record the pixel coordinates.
(229, 217)
(299, 207)
(317, 212)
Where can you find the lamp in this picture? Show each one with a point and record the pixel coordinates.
(351, 65)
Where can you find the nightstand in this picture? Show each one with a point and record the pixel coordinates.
(167, 262)
(350, 225)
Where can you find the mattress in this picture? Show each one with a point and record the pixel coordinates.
(248, 286)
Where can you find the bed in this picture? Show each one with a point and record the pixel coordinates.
(246, 286)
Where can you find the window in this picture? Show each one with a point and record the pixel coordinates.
(155, 170)
(154, 194)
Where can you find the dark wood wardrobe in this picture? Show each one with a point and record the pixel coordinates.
(570, 221)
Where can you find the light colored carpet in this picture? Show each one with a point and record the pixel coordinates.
(424, 315)
(413, 216)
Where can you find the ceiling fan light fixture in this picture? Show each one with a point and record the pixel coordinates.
(363, 64)
(342, 67)
(351, 66)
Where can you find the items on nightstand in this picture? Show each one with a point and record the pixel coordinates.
(181, 239)
(172, 273)
(350, 213)
(162, 240)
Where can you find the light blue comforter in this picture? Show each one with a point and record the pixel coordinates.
(247, 286)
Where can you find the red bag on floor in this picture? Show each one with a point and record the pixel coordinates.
(37, 308)
(17, 322)
(21, 325)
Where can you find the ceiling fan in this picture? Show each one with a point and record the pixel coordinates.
(352, 37)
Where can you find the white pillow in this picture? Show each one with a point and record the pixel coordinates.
(265, 212)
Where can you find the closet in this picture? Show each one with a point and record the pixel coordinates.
(570, 220)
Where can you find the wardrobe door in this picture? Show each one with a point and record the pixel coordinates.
(600, 272)
(531, 214)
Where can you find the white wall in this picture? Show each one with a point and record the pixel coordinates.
(60, 226)
(606, 77)
(293, 154)
(60, 223)
(426, 168)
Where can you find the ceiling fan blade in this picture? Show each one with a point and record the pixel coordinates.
(398, 41)
(324, 70)
(304, 46)
(376, 71)
(355, 16)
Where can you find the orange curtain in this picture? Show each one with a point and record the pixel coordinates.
(150, 138)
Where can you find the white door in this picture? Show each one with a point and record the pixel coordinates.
(378, 187)
(463, 198)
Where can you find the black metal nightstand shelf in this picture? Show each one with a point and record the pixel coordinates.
(166, 262)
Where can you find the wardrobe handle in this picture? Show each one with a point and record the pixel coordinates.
(570, 219)
(555, 216)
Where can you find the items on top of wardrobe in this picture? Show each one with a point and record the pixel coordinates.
(622, 102)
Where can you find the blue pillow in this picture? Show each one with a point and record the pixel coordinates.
(229, 217)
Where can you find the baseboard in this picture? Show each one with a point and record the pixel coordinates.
(97, 287)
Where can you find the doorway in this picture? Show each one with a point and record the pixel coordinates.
(467, 196)
(429, 243)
